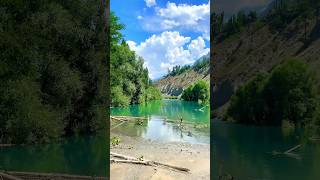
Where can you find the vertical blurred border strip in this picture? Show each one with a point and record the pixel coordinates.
(105, 10)
(212, 83)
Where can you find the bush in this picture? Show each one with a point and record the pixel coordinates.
(289, 93)
(152, 93)
(197, 92)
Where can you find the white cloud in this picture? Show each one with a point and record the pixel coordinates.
(197, 48)
(195, 18)
(162, 52)
(150, 3)
(139, 17)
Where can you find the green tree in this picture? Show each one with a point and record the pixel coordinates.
(52, 69)
(197, 92)
(129, 80)
(288, 93)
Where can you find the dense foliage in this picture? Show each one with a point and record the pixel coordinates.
(289, 93)
(129, 80)
(198, 92)
(52, 69)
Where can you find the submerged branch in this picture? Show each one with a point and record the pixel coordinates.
(292, 149)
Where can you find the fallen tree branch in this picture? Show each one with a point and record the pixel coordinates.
(128, 159)
(132, 117)
(8, 177)
(292, 149)
(122, 156)
(117, 125)
(289, 152)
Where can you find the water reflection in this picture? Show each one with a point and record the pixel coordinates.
(158, 126)
(245, 152)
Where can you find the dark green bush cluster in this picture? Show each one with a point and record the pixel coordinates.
(129, 80)
(52, 69)
(153, 93)
(289, 93)
(197, 92)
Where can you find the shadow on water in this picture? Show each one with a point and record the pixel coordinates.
(82, 155)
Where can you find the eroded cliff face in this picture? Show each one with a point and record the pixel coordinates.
(259, 49)
(174, 85)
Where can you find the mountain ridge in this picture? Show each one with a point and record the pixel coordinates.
(173, 85)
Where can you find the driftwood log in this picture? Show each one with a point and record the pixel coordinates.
(133, 160)
(8, 176)
(14, 175)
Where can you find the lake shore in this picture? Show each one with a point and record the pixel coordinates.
(195, 157)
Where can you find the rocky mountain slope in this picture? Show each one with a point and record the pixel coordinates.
(259, 48)
(174, 85)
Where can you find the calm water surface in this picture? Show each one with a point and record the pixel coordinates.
(83, 155)
(245, 152)
(156, 128)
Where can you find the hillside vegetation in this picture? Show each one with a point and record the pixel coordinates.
(252, 67)
(290, 29)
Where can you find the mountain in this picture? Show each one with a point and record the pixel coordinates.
(177, 80)
(260, 47)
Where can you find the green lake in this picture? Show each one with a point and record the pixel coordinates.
(245, 152)
(195, 116)
(83, 155)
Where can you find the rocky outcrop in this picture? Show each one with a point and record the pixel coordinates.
(174, 85)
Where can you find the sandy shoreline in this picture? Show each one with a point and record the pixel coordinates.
(195, 157)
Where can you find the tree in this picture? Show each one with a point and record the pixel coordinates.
(129, 80)
(52, 70)
(289, 93)
(197, 92)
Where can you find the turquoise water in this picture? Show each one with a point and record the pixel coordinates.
(245, 152)
(156, 128)
(83, 155)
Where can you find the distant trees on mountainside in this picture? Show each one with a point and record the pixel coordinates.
(197, 66)
(278, 16)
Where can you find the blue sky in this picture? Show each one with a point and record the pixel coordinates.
(165, 33)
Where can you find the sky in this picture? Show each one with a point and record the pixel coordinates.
(165, 33)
